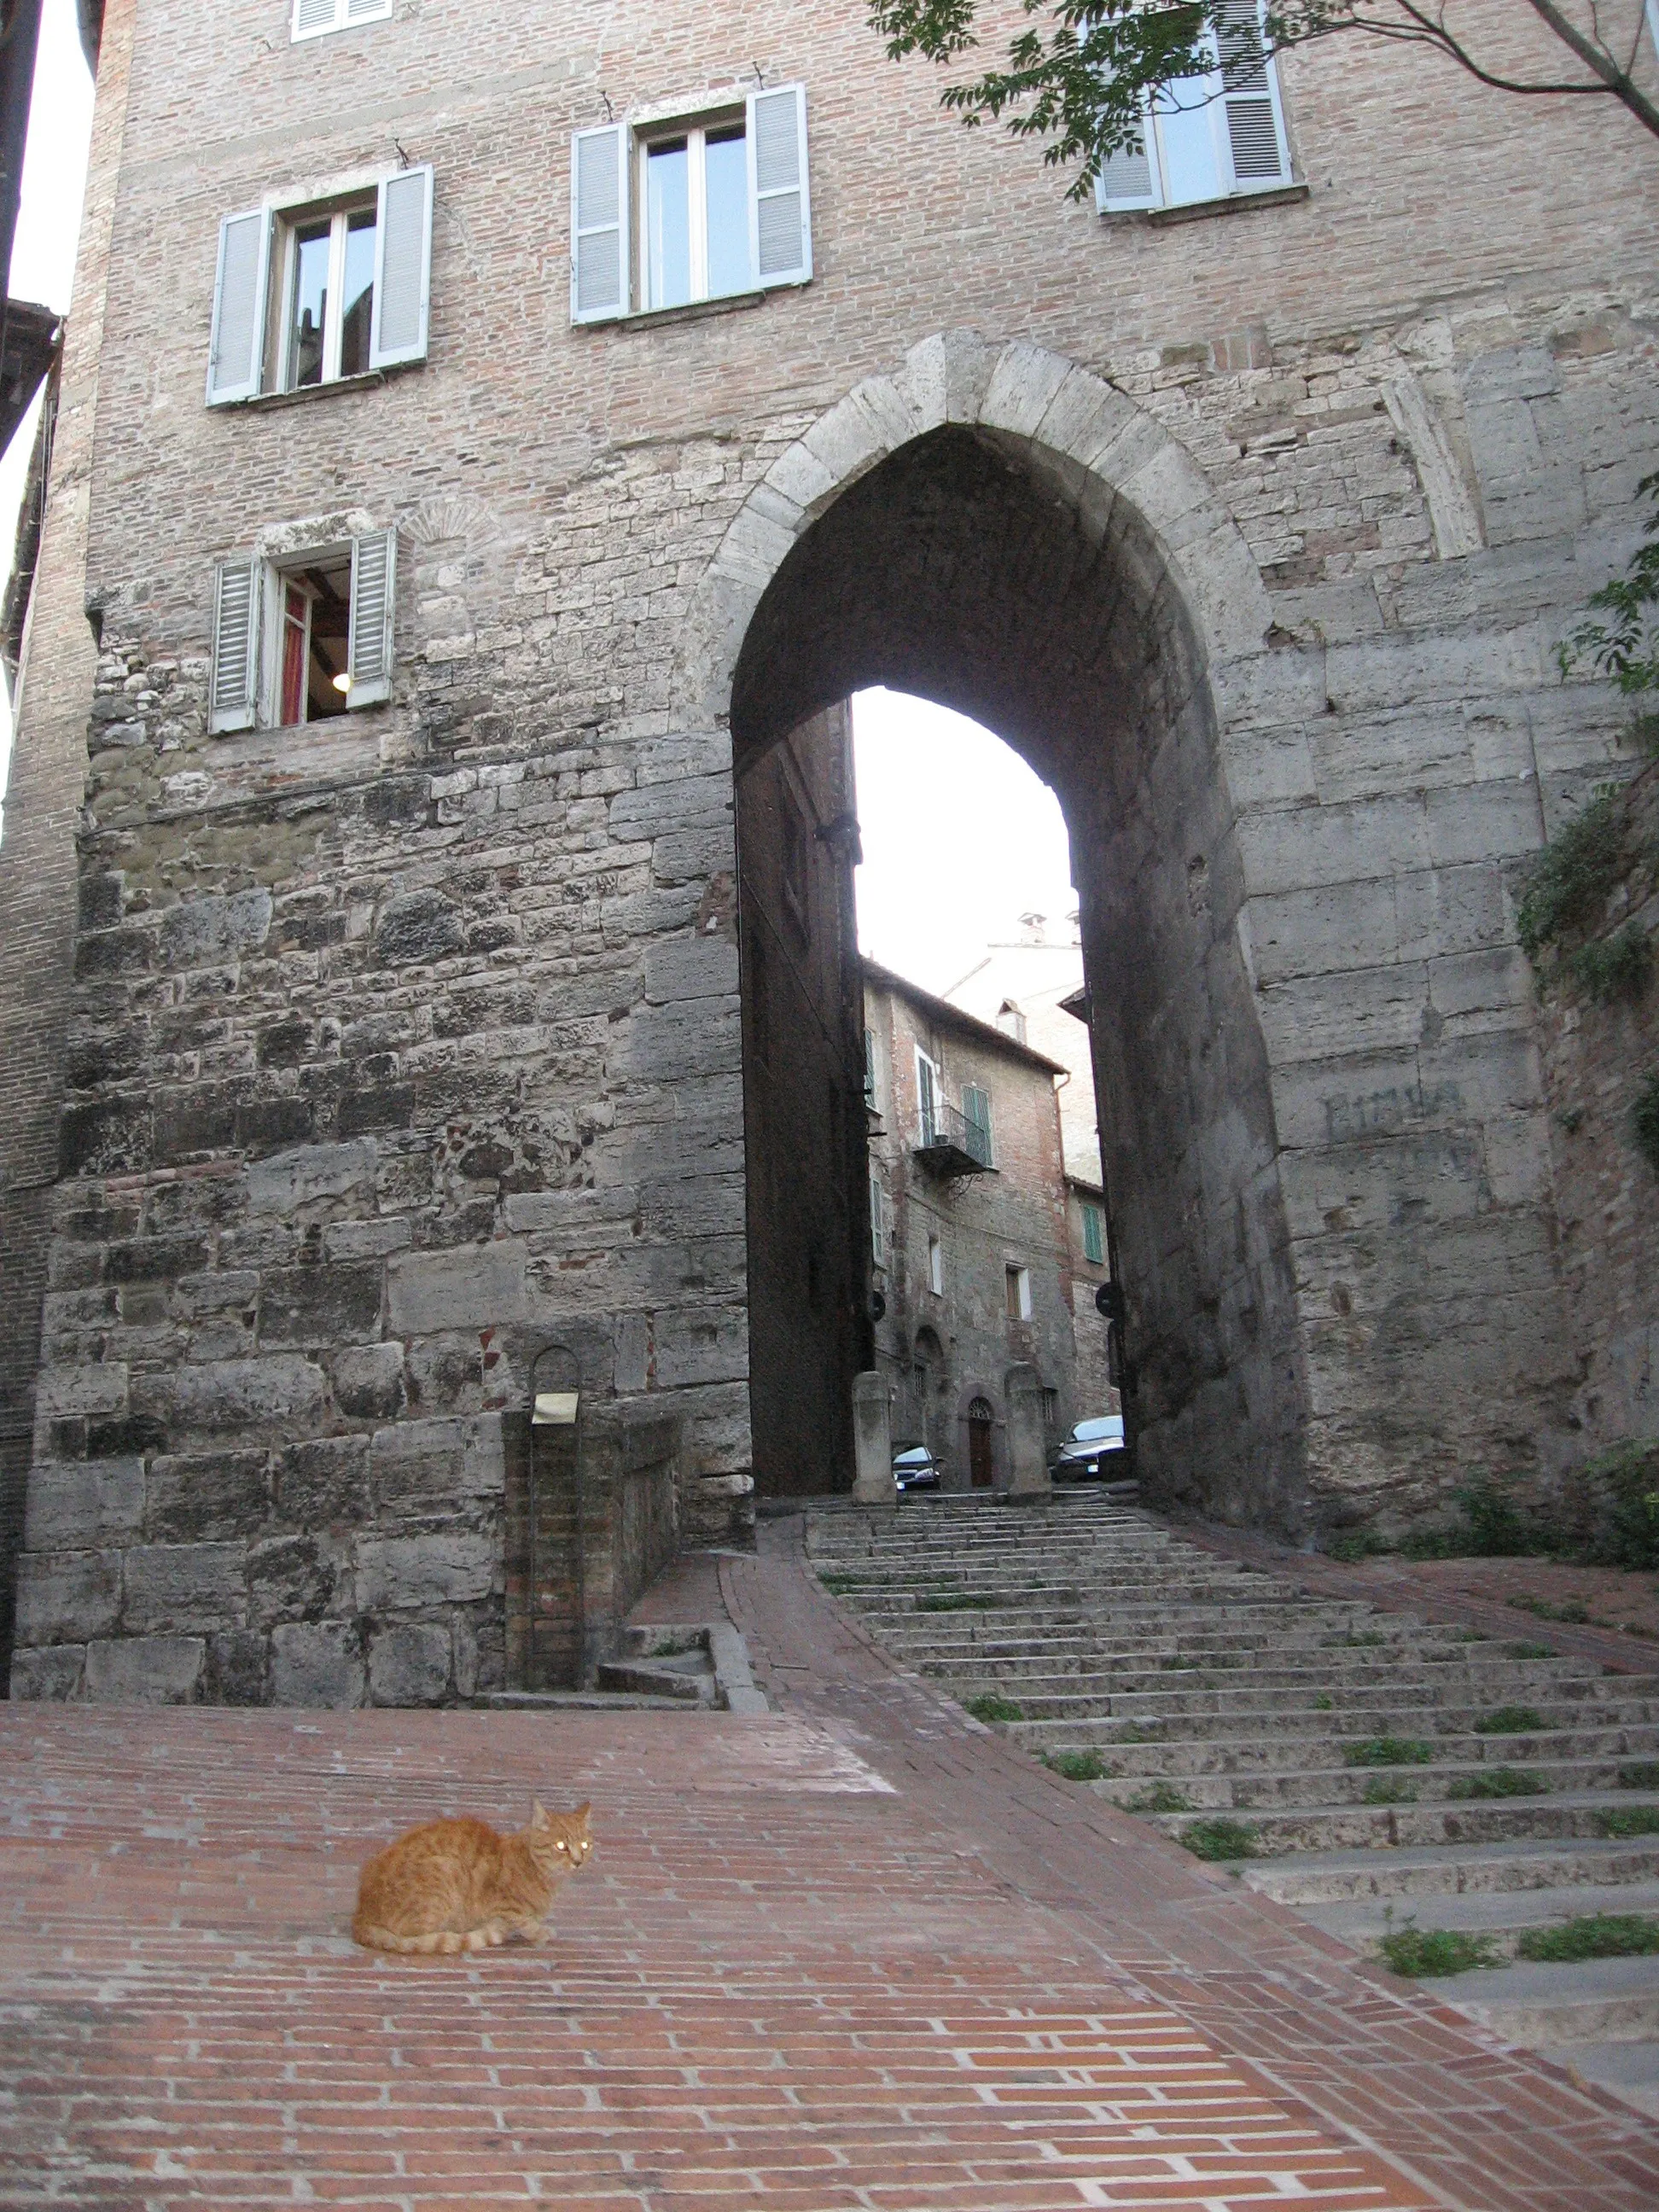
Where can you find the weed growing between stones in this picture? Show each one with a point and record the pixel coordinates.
(1079, 1766)
(1160, 1798)
(991, 1705)
(1379, 1790)
(1220, 1839)
(1324, 1703)
(838, 1585)
(1366, 1639)
(1140, 1732)
(1524, 1651)
(1419, 1953)
(1570, 880)
(1387, 1751)
(957, 1601)
(1636, 1820)
(1511, 1720)
(1500, 1782)
(1616, 967)
(1591, 1935)
(1542, 1608)
(1640, 1774)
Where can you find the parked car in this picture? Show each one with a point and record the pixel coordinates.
(914, 1468)
(1083, 1456)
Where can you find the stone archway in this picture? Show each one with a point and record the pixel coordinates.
(1002, 530)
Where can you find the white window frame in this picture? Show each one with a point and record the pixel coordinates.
(932, 1086)
(878, 1223)
(346, 15)
(624, 294)
(248, 326)
(1021, 1277)
(936, 1265)
(1110, 201)
(245, 683)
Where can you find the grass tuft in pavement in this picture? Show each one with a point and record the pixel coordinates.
(1419, 1953)
(1638, 1820)
(1591, 1935)
(1500, 1782)
(1511, 1720)
(991, 1705)
(1160, 1797)
(1220, 1839)
(1387, 1751)
(1079, 1766)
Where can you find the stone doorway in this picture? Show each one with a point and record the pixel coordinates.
(981, 1444)
(959, 569)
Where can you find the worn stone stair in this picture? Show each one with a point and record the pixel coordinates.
(1380, 1771)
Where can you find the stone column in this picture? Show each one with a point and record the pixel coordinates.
(872, 1441)
(1028, 1460)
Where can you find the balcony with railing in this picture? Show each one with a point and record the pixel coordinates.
(949, 1143)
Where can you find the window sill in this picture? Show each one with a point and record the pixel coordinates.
(695, 311)
(1231, 204)
(370, 381)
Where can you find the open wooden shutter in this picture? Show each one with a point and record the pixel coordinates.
(373, 598)
(599, 224)
(1253, 122)
(1129, 178)
(235, 678)
(780, 213)
(236, 354)
(927, 1097)
(403, 270)
(976, 1113)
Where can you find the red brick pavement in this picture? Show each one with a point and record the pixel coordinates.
(856, 1955)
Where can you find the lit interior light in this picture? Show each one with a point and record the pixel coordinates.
(343, 682)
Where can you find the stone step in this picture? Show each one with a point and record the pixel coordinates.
(1209, 1789)
(1501, 1914)
(1081, 1718)
(1628, 2070)
(1516, 1864)
(1571, 1815)
(1601, 2001)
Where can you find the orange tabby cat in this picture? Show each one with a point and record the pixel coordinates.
(458, 1886)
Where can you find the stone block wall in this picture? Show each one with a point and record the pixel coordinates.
(399, 1046)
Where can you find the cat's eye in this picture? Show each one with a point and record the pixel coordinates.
(562, 1847)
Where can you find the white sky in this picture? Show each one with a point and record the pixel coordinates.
(48, 223)
(960, 838)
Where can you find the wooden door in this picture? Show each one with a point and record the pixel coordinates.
(980, 1421)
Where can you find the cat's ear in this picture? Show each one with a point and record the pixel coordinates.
(538, 1818)
(581, 1812)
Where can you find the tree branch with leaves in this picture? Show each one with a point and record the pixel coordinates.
(1082, 74)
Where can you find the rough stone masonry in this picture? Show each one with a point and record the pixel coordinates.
(347, 1065)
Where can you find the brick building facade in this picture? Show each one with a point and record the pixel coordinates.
(392, 1044)
(971, 1231)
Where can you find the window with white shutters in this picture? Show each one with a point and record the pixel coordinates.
(311, 18)
(1210, 137)
(707, 205)
(304, 638)
(314, 294)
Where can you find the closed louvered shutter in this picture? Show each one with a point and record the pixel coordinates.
(403, 270)
(976, 1113)
(780, 214)
(1255, 129)
(236, 354)
(599, 224)
(1129, 177)
(374, 592)
(235, 646)
(311, 16)
(364, 11)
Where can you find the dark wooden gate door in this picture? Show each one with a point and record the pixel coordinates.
(980, 1419)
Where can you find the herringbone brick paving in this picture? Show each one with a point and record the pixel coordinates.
(855, 1955)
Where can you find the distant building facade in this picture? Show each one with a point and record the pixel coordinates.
(974, 1258)
(1030, 985)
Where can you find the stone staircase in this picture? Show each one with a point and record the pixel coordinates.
(1376, 1772)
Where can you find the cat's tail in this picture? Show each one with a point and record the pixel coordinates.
(444, 1940)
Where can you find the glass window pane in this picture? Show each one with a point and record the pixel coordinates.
(310, 304)
(727, 170)
(1187, 137)
(359, 299)
(667, 225)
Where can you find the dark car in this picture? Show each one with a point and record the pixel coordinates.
(914, 1468)
(1084, 1456)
